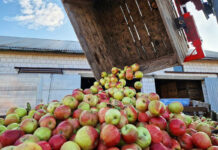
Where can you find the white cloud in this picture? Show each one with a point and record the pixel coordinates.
(208, 29)
(7, 1)
(39, 13)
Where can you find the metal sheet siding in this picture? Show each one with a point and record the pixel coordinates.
(212, 91)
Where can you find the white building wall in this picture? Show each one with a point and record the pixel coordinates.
(148, 85)
(23, 59)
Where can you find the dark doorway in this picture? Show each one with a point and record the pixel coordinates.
(87, 82)
(180, 89)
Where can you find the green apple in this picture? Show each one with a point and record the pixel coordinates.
(156, 108)
(129, 92)
(70, 101)
(112, 116)
(101, 105)
(187, 120)
(92, 100)
(84, 106)
(104, 74)
(141, 104)
(138, 85)
(94, 89)
(102, 81)
(31, 113)
(52, 106)
(175, 107)
(144, 137)
(2, 121)
(86, 137)
(118, 95)
(43, 133)
(12, 126)
(2, 129)
(9, 148)
(131, 113)
(70, 145)
(26, 117)
(28, 125)
(123, 81)
(21, 112)
(126, 100)
(138, 74)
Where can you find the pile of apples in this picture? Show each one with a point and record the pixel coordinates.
(107, 116)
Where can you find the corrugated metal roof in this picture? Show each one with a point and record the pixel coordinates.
(211, 55)
(40, 45)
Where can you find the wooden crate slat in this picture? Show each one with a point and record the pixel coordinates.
(122, 32)
(176, 37)
(139, 25)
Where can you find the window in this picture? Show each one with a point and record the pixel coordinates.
(39, 70)
(178, 69)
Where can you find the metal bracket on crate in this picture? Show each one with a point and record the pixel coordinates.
(180, 23)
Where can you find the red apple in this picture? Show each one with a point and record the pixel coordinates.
(156, 134)
(11, 110)
(191, 131)
(143, 117)
(77, 113)
(47, 121)
(159, 121)
(44, 145)
(129, 133)
(114, 70)
(186, 141)
(201, 140)
(131, 114)
(64, 128)
(110, 135)
(175, 145)
(153, 96)
(39, 113)
(166, 139)
(123, 119)
(87, 91)
(158, 146)
(74, 123)
(57, 141)
(101, 146)
(214, 140)
(101, 114)
(177, 127)
(39, 106)
(135, 67)
(166, 114)
(9, 137)
(62, 112)
(88, 118)
(131, 147)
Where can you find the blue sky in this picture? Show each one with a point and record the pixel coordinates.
(47, 19)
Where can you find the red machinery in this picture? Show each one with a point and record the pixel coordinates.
(186, 21)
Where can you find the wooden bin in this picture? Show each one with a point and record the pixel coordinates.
(123, 32)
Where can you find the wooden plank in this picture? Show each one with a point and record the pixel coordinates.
(78, 15)
(177, 39)
(139, 24)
